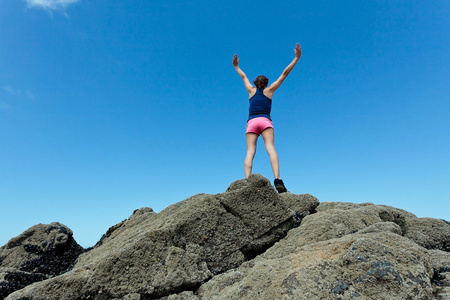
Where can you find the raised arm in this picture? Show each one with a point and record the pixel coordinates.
(274, 86)
(241, 73)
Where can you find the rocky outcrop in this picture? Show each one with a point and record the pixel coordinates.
(252, 243)
(345, 251)
(155, 255)
(41, 252)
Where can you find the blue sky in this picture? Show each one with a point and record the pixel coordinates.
(109, 106)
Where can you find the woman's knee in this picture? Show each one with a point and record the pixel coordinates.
(249, 157)
(270, 148)
(272, 154)
(251, 151)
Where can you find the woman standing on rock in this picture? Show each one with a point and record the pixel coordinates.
(259, 121)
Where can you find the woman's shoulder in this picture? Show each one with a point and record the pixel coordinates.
(252, 92)
(268, 93)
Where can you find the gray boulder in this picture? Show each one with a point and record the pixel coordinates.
(303, 205)
(138, 216)
(253, 243)
(346, 252)
(152, 255)
(41, 252)
(12, 279)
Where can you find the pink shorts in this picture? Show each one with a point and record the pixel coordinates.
(257, 125)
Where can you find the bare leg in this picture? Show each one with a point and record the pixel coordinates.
(252, 138)
(268, 136)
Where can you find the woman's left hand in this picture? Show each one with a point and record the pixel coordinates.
(235, 60)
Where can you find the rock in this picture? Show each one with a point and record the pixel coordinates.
(43, 251)
(12, 279)
(429, 233)
(302, 204)
(340, 205)
(136, 218)
(253, 243)
(349, 267)
(181, 296)
(343, 252)
(176, 250)
(238, 184)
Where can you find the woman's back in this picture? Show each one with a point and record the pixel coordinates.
(260, 105)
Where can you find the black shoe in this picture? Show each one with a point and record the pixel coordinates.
(279, 185)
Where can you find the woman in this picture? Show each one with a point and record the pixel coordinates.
(259, 121)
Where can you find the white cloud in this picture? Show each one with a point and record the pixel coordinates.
(11, 91)
(29, 94)
(17, 92)
(51, 4)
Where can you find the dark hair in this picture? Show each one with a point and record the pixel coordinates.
(261, 81)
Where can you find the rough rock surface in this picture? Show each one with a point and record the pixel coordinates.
(252, 243)
(345, 251)
(155, 255)
(41, 252)
(303, 205)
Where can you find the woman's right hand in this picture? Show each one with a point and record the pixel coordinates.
(298, 51)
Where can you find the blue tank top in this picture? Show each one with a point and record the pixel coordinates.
(260, 105)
